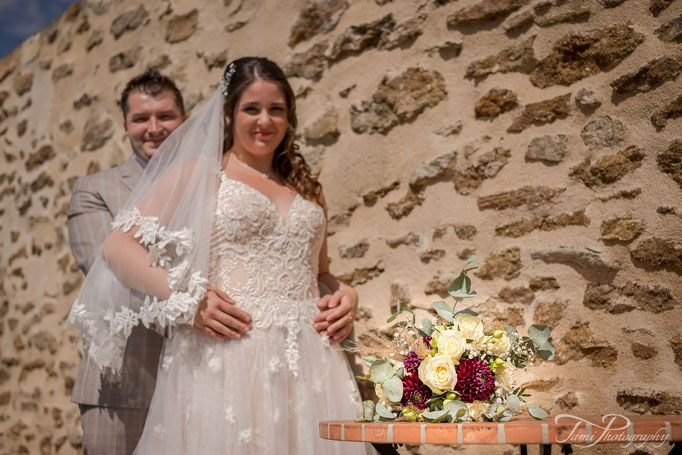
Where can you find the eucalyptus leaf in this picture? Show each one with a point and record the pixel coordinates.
(399, 324)
(392, 317)
(463, 295)
(383, 412)
(368, 409)
(427, 326)
(506, 416)
(411, 312)
(468, 266)
(398, 309)
(466, 311)
(512, 333)
(392, 389)
(539, 334)
(457, 410)
(435, 416)
(513, 402)
(369, 360)
(460, 284)
(400, 372)
(537, 412)
(546, 351)
(444, 310)
(380, 371)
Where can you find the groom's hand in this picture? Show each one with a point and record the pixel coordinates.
(218, 317)
(337, 314)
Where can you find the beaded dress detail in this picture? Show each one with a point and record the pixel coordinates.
(266, 392)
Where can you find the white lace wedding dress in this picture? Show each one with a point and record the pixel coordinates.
(265, 393)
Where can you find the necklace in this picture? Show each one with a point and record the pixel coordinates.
(268, 175)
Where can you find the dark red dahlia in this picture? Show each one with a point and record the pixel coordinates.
(411, 362)
(415, 392)
(427, 341)
(475, 381)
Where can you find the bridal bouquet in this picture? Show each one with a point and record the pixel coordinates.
(449, 369)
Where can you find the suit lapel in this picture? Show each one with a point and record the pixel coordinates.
(131, 172)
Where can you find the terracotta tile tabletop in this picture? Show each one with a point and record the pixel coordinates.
(560, 429)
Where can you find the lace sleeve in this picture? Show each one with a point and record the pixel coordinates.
(160, 243)
(167, 249)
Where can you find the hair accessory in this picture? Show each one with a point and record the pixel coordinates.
(225, 80)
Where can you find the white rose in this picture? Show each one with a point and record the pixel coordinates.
(452, 343)
(470, 326)
(438, 373)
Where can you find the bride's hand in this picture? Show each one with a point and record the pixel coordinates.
(337, 314)
(218, 317)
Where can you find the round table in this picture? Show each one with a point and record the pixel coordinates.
(563, 429)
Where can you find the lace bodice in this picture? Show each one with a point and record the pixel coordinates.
(267, 263)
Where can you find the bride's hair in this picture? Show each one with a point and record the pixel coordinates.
(287, 163)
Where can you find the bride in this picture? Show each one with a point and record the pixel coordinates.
(225, 236)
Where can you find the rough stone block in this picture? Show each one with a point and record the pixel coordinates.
(548, 148)
(495, 102)
(575, 57)
(181, 27)
(670, 161)
(529, 196)
(541, 113)
(398, 99)
(318, 17)
(608, 169)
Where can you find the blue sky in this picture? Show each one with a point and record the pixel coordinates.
(20, 19)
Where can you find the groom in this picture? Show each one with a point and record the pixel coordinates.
(114, 408)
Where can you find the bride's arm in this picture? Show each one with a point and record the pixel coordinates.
(216, 315)
(129, 260)
(337, 310)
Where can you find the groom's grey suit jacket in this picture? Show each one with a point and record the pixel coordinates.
(95, 202)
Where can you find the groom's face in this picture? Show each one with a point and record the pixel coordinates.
(150, 120)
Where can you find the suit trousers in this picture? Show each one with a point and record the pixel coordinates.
(111, 431)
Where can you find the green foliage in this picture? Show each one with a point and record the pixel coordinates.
(438, 415)
(383, 414)
(540, 336)
(457, 411)
(513, 402)
(380, 371)
(444, 310)
(369, 360)
(537, 412)
(461, 286)
(392, 389)
(368, 410)
(427, 327)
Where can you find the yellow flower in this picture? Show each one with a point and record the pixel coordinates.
(452, 344)
(498, 366)
(470, 326)
(410, 415)
(438, 373)
(379, 392)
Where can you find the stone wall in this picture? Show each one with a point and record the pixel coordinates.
(543, 135)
